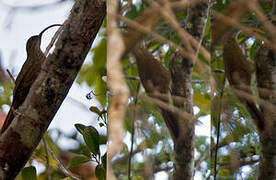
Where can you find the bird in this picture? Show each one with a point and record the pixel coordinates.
(237, 67)
(239, 71)
(27, 75)
(156, 80)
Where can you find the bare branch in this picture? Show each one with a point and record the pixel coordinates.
(60, 165)
(117, 85)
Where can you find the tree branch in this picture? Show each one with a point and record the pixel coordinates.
(51, 86)
(117, 85)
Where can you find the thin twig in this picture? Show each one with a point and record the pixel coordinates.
(132, 78)
(254, 6)
(14, 6)
(242, 162)
(132, 132)
(174, 109)
(169, 16)
(245, 29)
(125, 7)
(129, 66)
(187, 38)
(156, 36)
(123, 159)
(218, 129)
(47, 158)
(200, 159)
(11, 76)
(60, 165)
(250, 97)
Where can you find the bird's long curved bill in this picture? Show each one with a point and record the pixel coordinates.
(40, 34)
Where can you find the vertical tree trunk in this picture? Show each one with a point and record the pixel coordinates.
(266, 79)
(181, 74)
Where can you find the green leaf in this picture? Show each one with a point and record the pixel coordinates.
(85, 151)
(224, 173)
(91, 138)
(153, 139)
(100, 90)
(52, 145)
(104, 160)
(95, 110)
(220, 5)
(100, 172)
(29, 173)
(92, 73)
(102, 139)
(80, 127)
(132, 13)
(79, 160)
(138, 178)
(202, 102)
(252, 50)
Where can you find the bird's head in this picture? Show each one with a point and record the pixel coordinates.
(33, 43)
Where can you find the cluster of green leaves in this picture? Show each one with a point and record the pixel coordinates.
(93, 140)
(89, 151)
(29, 173)
(92, 74)
(219, 5)
(83, 153)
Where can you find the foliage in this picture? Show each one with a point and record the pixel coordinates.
(93, 141)
(238, 139)
(152, 145)
(5, 93)
(92, 74)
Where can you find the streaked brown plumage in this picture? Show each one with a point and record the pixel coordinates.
(27, 75)
(155, 79)
(153, 75)
(239, 70)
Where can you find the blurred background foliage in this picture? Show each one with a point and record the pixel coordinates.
(152, 153)
(238, 145)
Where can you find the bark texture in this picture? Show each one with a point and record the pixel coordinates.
(181, 74)
(266, 82)
(156, 80)
(51, 86)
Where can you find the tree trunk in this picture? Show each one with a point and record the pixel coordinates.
(51, 86)
(266, 82)
(184, 144)
(181, 74)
